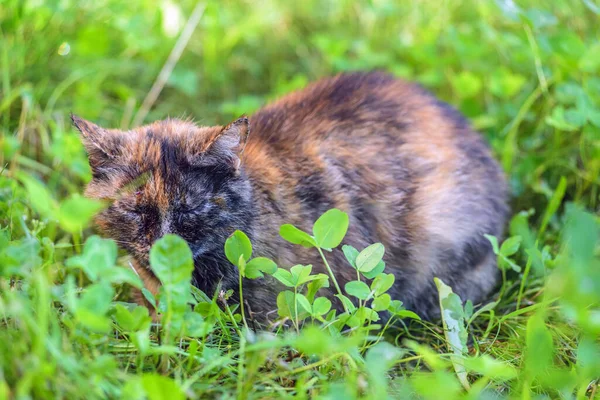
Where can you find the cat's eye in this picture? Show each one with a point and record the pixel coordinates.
(135, 185)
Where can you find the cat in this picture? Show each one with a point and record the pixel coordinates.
(406, 167)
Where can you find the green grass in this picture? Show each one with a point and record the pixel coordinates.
(525, 73)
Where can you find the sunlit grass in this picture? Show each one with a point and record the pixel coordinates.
(526, 76)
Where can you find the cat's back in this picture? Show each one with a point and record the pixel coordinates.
(406, 167)
(373, 112)
(341, 106)
(375, 130)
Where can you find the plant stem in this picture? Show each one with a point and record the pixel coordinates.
(360, 303)
(380, 336)
(523, 280)
(166, 330)
(242, 301)
(240, 377)
(337, 287)
(296, 322)
(237, 327)
(504, 283)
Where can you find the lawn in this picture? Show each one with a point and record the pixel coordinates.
(526, 74)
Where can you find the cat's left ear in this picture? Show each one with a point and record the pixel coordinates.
(229, 143)
(102, 145)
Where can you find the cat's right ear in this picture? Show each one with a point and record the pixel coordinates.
(102, 146)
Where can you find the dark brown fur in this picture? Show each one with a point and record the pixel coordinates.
(406, 167)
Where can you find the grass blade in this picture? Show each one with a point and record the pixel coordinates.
(454, 329)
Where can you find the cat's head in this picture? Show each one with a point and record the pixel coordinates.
(169, 177)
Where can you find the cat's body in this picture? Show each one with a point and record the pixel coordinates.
(406, 168)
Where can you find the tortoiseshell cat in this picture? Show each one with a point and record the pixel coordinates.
(406, 167)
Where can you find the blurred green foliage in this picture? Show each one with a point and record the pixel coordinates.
(526, 73)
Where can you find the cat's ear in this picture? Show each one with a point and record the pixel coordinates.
(102, 146)
(227, 144)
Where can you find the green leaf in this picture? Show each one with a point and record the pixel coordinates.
(379, 268)
(454, 329)
(99, 255)
(97, 298)
(407, 314)
(576, 117)
(119, 275)
(358, 289)
(370, 257)
(301, 274)
(382, 356)
(296, 236)
(558, 119)
(149, 296)
(494, 242)
(431, 357)
(365, 313)
(567, 93)
(347, 302)
(379, 359)
(329, 230)
(39, 196)
(382, 302)
(395, 306)
(285, 277)
(303, 303)
(489, 367)
(466, 84)
(241, 264)
(286, 305)
(132, 321)
(92, 321)
(350, 253)
(20, 257)
(382, 283)
(158, 387)
(171, 260)
(238, 245)
(313, 340)
(195, 326)
(315, 285)
(505, 262)
(519, 226)
(594, 118)
(172, 263)
(258, 265)
(539, 351)
(510, 246)
(506, 84)
(93, 305)
(321, 306)
(590, 61)
(554, 204)
(98, 262)
(76, 212)
(468, 309)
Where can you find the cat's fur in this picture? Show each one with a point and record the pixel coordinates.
(407, 169)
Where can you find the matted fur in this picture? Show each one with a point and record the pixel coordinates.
(407, 169)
